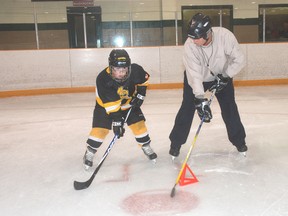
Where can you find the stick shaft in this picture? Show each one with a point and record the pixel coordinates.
(191, 147)
(86, 184)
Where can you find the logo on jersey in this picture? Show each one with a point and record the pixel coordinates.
(123, 93)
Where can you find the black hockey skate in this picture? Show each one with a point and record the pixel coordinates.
(174, 152)
(88, 158)
(148, 151)
(242, 149)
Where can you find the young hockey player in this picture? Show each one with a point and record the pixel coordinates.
(212, 57)
(119, 87)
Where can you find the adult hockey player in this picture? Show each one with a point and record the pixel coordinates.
(119, 87)
(212, 57)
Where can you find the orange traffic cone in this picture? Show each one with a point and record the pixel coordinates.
(187, 180)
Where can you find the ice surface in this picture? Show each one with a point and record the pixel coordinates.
(42, 142)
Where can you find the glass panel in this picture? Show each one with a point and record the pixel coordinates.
(276, 23)
(44, 25)
(51, 20)
(138, 24)
(172, 29)
(14, 35)
(146, 32)
(52, 35)
(116, 33)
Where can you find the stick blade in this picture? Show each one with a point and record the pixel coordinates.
(80, 185)
(173, 191)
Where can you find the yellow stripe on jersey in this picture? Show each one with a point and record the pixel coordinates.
(108, 70)
(110, 106)
(126, 105)
(144, 84)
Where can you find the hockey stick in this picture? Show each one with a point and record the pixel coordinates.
(86, 184)
(173, 191)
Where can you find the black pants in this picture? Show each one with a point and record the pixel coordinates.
(229, 112)
(102, 120)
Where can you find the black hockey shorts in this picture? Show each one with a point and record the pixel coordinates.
(102, 120)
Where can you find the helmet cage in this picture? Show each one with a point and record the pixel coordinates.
(124, 78)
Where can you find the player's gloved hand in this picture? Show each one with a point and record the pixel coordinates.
(137, 100)
(219, 83)
(203, 109)
(118, 128)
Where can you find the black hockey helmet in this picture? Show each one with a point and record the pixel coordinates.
(119, 58)
(199, 26)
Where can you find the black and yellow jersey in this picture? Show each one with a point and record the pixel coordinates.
(114, 96)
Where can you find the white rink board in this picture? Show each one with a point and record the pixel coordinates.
(35, 69)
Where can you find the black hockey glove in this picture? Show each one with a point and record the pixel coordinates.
(137, 100)
(118, 128)
(203, 109)
(219, 83)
